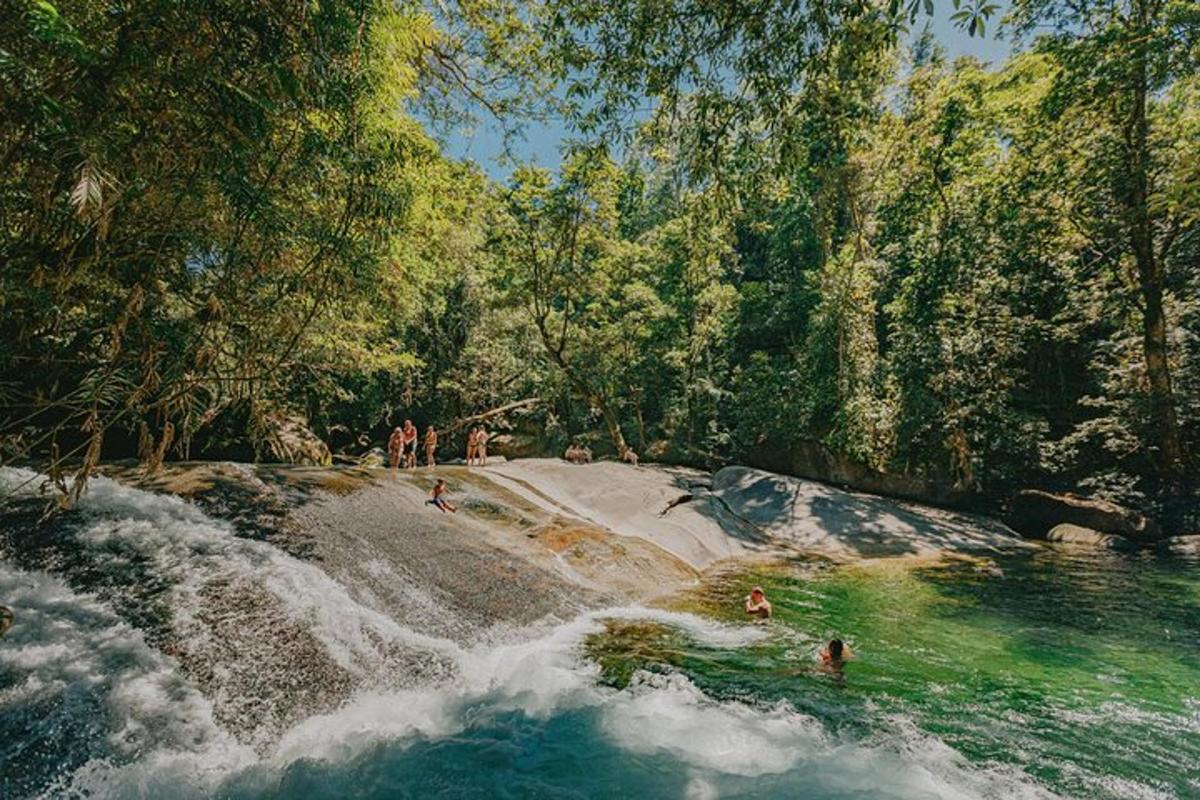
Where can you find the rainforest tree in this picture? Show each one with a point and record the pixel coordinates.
(785, 233)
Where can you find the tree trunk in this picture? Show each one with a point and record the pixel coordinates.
(586, 392)
(463, 422)
(641, 423)
(614, 429)
(1168, 444)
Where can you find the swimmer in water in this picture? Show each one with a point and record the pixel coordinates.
(835, 654)
(6, 619)
(757, 605)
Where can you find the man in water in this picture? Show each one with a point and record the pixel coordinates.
(437, 499)
(757, 605)
(835, 654)
(394, 443)
(409, 438)
(6, 619)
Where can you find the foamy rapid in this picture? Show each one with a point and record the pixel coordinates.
(71, 656)
(156, 733)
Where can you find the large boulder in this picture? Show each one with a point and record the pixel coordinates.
(287, 439)
(1188, 545)
(516, 445)
(1066, 533)
(1034, 513)
(375, 457)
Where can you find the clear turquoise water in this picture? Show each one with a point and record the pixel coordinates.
(1066, 673)
(1041, 673)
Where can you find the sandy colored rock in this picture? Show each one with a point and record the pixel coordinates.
(1066, 533)
(1183, 545)
(818, 518)
(746, 512)
(628, 500)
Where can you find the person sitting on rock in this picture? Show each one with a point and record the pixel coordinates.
(835, 654)
(438, 499)
(757, 605)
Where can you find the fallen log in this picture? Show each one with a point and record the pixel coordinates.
(463, 422)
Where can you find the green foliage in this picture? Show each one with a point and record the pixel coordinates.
(985, 277)
(212, 206)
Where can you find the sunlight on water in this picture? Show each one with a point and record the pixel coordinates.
(1038, 674)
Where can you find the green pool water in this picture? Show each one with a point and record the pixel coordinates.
(1045, 672)
(1079, 669)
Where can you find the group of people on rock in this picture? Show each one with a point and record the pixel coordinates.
(833, 655)
(477, 442)
(402, 446)
(578, 454)
(402, 452)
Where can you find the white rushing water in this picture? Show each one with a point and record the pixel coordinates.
(155, 728)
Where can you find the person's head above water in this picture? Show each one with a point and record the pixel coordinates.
(836, 648)
(757, 591)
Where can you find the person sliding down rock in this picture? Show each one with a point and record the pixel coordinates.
(437, 499)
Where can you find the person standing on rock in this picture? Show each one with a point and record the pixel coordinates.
(757, 605)
(470, 447)
(430, 446)
(395, 441)
(409, 438)
(481, 440)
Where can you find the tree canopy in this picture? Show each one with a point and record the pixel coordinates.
(781, 229)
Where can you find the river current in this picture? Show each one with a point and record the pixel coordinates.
(158, 654)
